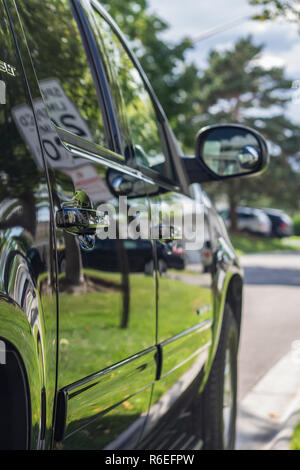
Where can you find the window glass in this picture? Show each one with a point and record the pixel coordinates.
(144, 132)
(20, 171)
(62, 68)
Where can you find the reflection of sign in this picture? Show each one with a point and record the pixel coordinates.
(62, 110)
(6, 68)
(64, 114)
(87, 179)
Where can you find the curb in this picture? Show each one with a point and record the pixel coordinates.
(282, 440)
(269, 412)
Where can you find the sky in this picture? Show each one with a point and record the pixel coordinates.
(192, 18)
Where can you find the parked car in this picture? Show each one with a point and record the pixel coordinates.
(250, 220)
(95, 355)
(281, 223)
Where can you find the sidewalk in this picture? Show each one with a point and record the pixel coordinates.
(269, 412)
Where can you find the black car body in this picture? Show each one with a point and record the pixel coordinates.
(94, 354)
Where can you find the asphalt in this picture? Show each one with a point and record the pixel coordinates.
(269, 359)
(271, 314)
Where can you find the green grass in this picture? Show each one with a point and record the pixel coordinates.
(295, 442)
(91, 338)
(244, 244)
(90, 334)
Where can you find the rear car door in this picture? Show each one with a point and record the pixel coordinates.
(106, 361)
(184, 271)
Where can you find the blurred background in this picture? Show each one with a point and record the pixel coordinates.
(238, 61)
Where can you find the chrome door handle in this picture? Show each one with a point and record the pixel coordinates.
(78, 221)
(78, 217)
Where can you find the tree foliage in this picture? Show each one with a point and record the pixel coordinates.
(235, 87)
(174, 81)
(272, 9)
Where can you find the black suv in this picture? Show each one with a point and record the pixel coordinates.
(100, 349)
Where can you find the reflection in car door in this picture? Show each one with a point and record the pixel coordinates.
(106, 363)
(185, 319)
(107, 329)
(185, 308)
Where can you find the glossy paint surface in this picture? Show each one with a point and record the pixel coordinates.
(107, 301)
(28, 283)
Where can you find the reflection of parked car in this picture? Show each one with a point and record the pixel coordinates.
(282, 224)
(175, 258)
(250, 220)
(106, 256)
(93, 355)
(139, 253)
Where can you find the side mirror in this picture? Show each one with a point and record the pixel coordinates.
(227, 151)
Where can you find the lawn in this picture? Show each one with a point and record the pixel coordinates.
(295, 443)
(90, 334)
(253, 244)
(91, 339)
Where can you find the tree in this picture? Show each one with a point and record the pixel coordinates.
(236, 88)
(272, 9)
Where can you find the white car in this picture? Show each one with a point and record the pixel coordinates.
(250, 220)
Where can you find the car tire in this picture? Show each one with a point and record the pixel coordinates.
(220, 393)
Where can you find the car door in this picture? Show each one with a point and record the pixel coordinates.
(185, 307)
(107, 291)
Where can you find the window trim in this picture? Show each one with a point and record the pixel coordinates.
(160, 113)
(88, 150)
(98, 75)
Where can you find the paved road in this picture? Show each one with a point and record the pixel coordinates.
(271, 320)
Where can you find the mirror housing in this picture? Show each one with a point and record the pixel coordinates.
(226, 151)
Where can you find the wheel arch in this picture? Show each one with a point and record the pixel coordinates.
(15, 403)
(20, 376)
(232, 290)
(234, 297)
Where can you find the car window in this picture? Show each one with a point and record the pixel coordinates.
(140, 126)
(62, 69)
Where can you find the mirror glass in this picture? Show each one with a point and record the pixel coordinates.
(230, 151)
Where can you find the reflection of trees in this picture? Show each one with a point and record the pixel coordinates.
(57, 51)
(139, 109)
(124, 265)
(74, 274)
(19, 175)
